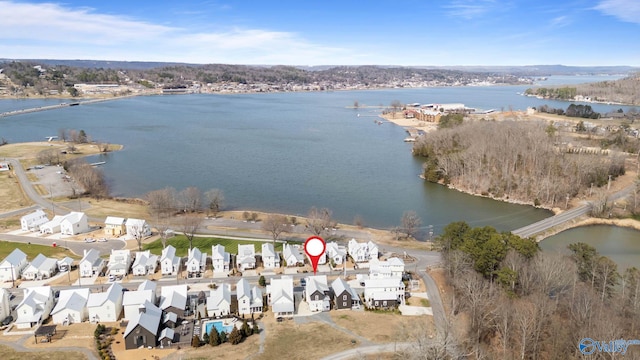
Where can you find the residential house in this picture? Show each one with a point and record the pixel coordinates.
(169, 262)
(336, 253)
(220, 259)
(119, 262)
(35, 307)
(138, 228)
(41, 267)
(270, 258)
(91, 263)
(246, 258)
(219, 301)
(362, 252)
(132, 300)
(174, 299)
(196, 262)
(317, 293)
(5, 308)
(249, 298)
(166, 337)
(145, 263)
(390, 268)
(115, 226)
(344, 297)
(170, 320)
(384, 292)
(65, 264)
(105, 306)
(52, 226)
(281, 298)
(32, 221)
(292, 256)
(142, 328)
(74, 223)
(71, 307)
(11, 267)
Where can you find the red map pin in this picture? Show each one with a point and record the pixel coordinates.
(315, 248)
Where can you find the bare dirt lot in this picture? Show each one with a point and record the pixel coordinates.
(378, 327)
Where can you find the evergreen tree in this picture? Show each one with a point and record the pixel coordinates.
(195, 342)
(235, 337)
(256, 329)
(246, 330)
(205, 338)
(223, 337)
(262, 281)
(214, 337)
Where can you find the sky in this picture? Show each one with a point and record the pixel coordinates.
(328, 32)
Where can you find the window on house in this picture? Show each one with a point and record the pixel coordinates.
(344, 297)
(384, 303)
(344, 304)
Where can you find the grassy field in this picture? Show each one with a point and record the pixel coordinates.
(11, 193)
(109, 207)
(32, 250)
(7, 353)
(181, 244)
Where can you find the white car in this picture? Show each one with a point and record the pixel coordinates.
(89, 240)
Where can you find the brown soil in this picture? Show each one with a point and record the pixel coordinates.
(378, 327)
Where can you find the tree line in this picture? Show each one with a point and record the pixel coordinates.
(512, 300)
(573, 110)
(516, 161)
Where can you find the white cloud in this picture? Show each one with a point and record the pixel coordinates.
(625, 10)
(55, 31)
(560, 21)
(469, 9)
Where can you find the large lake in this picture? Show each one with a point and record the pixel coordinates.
(283, 152)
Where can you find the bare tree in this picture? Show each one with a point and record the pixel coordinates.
(137, 231)
(189, 225)
(319, 221)
(358, 221)
(63, 134)
(91, 179)
(275, 225)
(214, 201)
(163, 228)
(410, 223)
(162, 202)
(190, 199)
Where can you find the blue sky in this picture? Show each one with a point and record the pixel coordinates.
(401, 32)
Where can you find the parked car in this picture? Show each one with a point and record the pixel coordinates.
(89, 240)
(102, 239)
(7, 320)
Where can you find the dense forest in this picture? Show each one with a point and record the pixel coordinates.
(623, 91)
(510, 300)
(516, 161)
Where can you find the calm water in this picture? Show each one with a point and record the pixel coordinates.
(622, 245)
(280, 152)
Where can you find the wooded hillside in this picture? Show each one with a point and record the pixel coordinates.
(517, 161)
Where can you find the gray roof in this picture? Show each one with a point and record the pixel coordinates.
(92, 256)
(170, 316)
(149, 319)
(317, 283)
(267, 250)
(168, 252)
(73, 299)
(282, 295)
(173, 296)
(217, 296)
(16, 257)
(243, 289)
(217, 252)
(42, 262)
(167, 333)
(339, 286)
(67, 260)
(136, 297)
(112, 294)
(148, 285)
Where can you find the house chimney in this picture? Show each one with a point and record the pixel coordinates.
(142, 309)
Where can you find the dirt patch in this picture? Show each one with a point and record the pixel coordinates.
(378, 327)
(74, 335)
(227, 351)
(11, 193)
(7, 353)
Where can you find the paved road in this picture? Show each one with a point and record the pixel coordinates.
(77, 247)
(13, 213)
(27, 186)
(567, 216)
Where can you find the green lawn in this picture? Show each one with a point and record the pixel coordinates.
(32, 250)
(181, 244)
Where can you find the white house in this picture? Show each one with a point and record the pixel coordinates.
(174, 299)
(52, 226)
(65, 264)
(219, 301)
(11, 267)
(196, 262)
(249, 298)
(270, 258)
(41, 267)
(384, 293)
(220, 259)
(91, 263)
(362, 252)
(114, 226)
(169, 262)
(392, 267)
(145, 263)
(119, 262)
(74, 223)
(281, 298)
(137, 228)
(35, 307)
(336, 253)
(32, 222)
(292, 256)
(105, 306)
(71, 307)
(132, 300)
(5, 309)
(246, 258)
(317, 293)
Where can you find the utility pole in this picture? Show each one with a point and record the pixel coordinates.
(609, 184)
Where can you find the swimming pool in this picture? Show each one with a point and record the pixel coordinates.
(219, 324)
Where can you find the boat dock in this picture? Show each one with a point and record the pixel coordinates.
(413, 135)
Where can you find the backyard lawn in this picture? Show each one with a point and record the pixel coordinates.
(32, 250)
